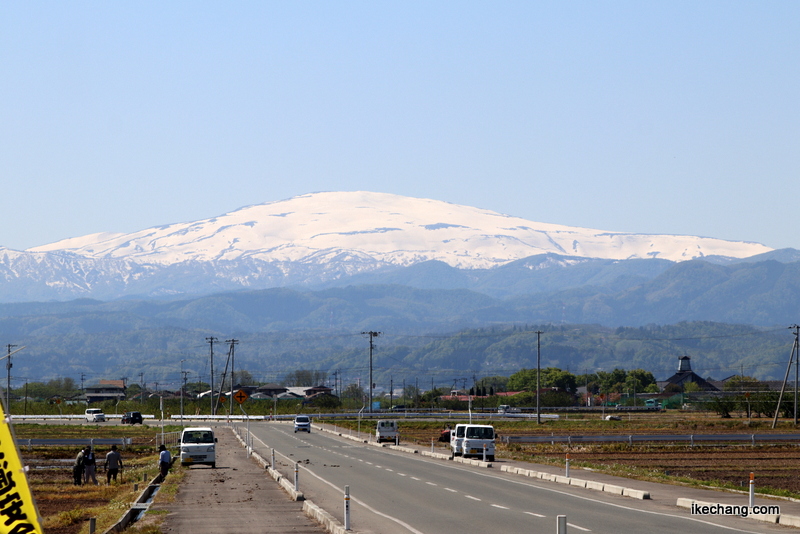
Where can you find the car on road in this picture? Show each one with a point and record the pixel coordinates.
(95, 415)
(131, 418)
(302, 423)
(386, 430)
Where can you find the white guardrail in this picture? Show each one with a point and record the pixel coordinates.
(69, 417)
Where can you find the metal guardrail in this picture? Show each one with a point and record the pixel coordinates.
(644, 438)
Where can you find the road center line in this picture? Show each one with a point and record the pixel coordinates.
(534, 514)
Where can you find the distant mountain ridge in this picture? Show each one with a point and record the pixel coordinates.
(335, 238)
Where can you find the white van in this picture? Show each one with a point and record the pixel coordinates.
(94, 415)
(198, 446)
(477, 440)
(386, 430)
(456, 439)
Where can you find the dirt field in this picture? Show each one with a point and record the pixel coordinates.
(66, 508)
(775, 466)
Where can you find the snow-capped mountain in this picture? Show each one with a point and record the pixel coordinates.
(383, 228)
(320, 238)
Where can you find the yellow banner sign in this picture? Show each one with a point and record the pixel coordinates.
(18, 513)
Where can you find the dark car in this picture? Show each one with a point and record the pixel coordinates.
(131, 418)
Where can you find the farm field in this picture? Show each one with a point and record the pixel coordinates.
(66, 508)
(722, 465)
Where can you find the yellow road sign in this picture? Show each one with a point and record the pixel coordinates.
(240, 396)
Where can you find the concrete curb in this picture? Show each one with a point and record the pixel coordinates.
(588, 484)
(325, 519)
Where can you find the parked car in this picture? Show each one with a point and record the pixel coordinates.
(131, 418)
(95, 415)
(302, 423)
(198, 446)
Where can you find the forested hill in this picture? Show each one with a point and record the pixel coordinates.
(102, 345)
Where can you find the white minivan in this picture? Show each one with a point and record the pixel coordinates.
(478, 441)
(198, 446)
(94, 415)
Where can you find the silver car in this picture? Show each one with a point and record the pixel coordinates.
(302, 423)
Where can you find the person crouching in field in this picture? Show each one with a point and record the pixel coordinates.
(113, 464)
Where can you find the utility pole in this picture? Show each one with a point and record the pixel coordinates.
(211, 341)
(538, 373)
(796, 329)
(183, 387)
(372, 335)
(8, 378)
(795, 350)
(141, 391)
(233, 343)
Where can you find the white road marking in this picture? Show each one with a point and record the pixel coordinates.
(454, 491)
(501, 507)
(534, 514)
(579, 528)
(471, 497)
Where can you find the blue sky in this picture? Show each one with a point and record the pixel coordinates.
(654, 117)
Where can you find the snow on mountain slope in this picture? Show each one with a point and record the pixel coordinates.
(391, 229)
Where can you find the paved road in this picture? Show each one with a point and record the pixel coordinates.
(394, 492)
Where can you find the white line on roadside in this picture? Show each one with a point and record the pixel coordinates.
(579, 528)
(501, 507)
(471, 497)
(534, 514)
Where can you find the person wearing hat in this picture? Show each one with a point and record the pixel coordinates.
(113, 464)
(164, 461)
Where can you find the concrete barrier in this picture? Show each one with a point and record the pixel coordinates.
(636, 494)
(789, 520)
(322, 517)
(577, 482)
(597, 486)
(610, 488)
(767, 518)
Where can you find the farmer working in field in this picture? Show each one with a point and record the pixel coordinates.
(113, 464)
